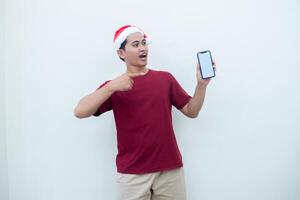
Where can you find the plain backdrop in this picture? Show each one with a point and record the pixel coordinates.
(243, 146)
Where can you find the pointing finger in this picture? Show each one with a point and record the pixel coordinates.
(136, 74)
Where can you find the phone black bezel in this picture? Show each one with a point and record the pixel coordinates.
(200, 64)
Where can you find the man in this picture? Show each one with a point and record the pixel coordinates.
(149, 163)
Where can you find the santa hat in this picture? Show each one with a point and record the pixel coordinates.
(122, 33)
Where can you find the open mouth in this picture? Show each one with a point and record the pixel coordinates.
(143, 56)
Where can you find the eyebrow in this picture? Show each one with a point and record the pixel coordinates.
(137, 41)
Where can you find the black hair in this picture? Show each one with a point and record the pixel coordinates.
(123, 47)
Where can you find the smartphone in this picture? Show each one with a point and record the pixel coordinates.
(206, 64)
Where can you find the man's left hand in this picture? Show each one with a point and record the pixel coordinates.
(200, 80)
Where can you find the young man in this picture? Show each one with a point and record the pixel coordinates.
(149, 163)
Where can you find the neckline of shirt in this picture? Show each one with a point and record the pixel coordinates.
(145, 75)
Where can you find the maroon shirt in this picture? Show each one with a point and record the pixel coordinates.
(145, 135)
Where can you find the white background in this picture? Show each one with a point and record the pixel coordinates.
(243, 146)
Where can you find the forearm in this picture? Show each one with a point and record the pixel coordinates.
(89, 104)
(195, 104)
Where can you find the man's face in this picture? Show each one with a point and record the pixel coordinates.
(136, 50)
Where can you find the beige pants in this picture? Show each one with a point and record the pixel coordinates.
(164, 185)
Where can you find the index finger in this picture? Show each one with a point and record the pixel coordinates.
(136, 74)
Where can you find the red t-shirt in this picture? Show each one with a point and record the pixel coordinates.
(145, 135)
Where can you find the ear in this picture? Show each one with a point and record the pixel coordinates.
(121, 53)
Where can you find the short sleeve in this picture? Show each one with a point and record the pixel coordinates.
(105, 106)
(179, 97)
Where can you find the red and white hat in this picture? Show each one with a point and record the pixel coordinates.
(122, 33)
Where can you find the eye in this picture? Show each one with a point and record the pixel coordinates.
(144, 42)
(135, 44)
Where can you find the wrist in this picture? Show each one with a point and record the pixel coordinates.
(201, 85)
(110, 88)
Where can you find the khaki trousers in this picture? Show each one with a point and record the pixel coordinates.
(164, 185)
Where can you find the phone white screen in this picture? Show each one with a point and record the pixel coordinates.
(205, 61)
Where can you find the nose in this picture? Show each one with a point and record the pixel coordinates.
(143, 47)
